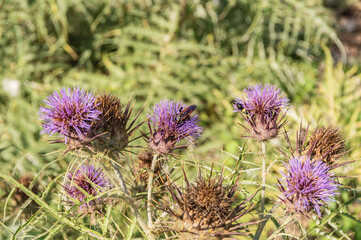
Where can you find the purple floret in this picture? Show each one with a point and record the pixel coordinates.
(260, 99)
(164, 119)
(89, 179)
(308, 185)
(169, 123)
(69, 113)
(261, 106)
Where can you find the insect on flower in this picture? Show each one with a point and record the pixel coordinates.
(169, 123)
(263, 105)
(239, 106)
(185, 114)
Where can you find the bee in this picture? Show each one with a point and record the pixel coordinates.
(239, 106)
(185, 114)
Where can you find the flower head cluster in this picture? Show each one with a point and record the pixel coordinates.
(87, 181)
(307, 185)
(204, 209)
(69, 113)
(260, 106)
(170, 122)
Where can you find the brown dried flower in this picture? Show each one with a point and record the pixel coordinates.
(326, 144)
(203, 210)
(19, 196)
(112, 124)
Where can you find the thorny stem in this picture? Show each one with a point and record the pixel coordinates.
(263, 193)
(130, 200)
(150, 185)
(282, 227)
(139, 217)
(264, 175)
(120, 177)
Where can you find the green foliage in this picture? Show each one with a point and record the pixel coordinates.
(201, 52)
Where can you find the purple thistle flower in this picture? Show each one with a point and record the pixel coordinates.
(69, 113)
(91, 180)
(170, 122)
(260, 106)
(307, 185)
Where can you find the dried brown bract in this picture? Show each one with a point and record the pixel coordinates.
(111, 128)
(19, 196)
(326, 144)
(205, 209)
(142, 169)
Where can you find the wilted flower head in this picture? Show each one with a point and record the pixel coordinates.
(111, 128)
(69, 113)
(170, 122)
(26, 180)
(87, 181)
(260, 106)
(205, 209)
(307, 185)
(145, 159)
(21, 197)
(327, 145)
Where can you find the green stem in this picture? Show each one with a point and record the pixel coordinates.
(51, 211)
(120, 177)
(263, 193)
(264, 175)
(150, 185)
(281, 228)
(130, 200)
(139, 217)
(263, 224)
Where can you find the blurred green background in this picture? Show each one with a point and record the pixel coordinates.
(201, 52)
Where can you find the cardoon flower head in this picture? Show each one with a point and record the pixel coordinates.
(145, 159)
(327, 145)
(20, 197)
(87, 181)
(69, 113)
(111, 132)
(260, 106)
(205, 209)
(170, 122)
(307, 185)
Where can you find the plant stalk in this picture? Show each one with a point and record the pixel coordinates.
(150, 186)
(263, 193)
(130, 200)
(120, 177)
